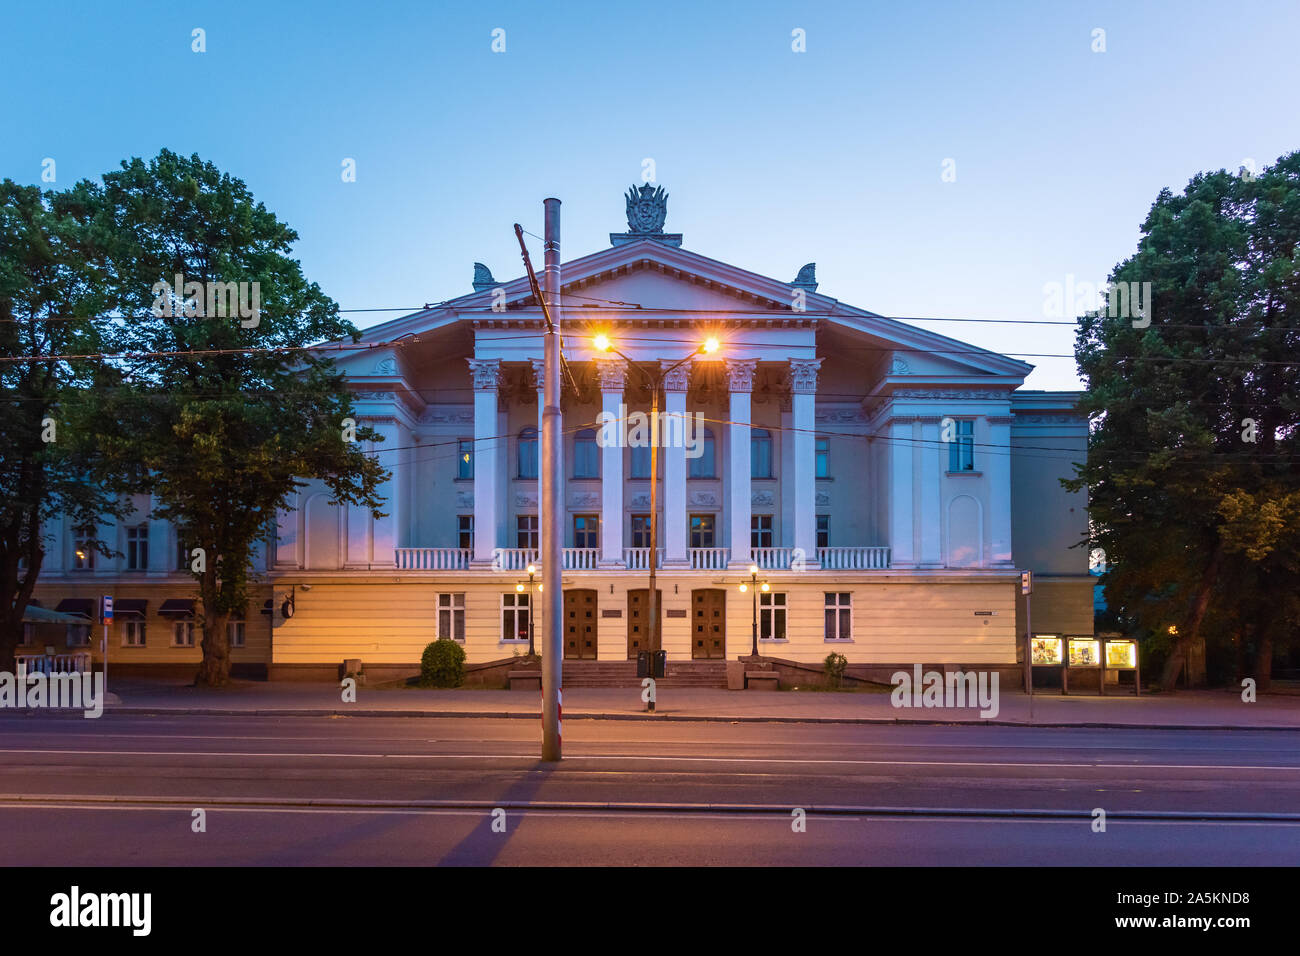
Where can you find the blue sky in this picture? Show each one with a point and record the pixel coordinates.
(771, 158)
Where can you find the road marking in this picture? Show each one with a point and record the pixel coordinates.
(637, 757)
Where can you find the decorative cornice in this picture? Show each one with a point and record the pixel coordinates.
(374, 396)
(443, 415)
(930, 419)
(949, 393)
(486, 374)
(740, 374)
(803, 375)
(840, 416)
(1049, 420)
(679, 379)
(612, 373)
(1000, 419)
(387, 366)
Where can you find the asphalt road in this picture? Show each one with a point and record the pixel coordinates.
(413, 791)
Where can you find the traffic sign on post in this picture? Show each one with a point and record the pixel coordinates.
(1026, 582)
(106, 609)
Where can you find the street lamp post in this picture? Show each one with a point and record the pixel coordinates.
(532, 591)
(754, 586)
(656, 380)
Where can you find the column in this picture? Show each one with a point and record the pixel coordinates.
(931, 508)
(539, 379)
(740, 381)
(997, 458)
(612, 374)
(673, 499)
(901, 527)
(803, 476)
(487, 381)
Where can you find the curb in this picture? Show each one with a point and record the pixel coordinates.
(658, 716)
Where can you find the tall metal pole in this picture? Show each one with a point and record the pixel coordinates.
(653, 598)
(552, 532)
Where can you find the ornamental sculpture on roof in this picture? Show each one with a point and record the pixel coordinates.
(647, 208)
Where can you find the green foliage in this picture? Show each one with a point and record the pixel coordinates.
(222, 419)
(442, 664)
(1199, 526)
(834, 667)
(48, 460)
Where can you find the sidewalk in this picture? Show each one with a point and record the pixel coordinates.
(1186, 709)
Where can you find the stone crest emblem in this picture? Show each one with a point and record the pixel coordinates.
(647, 208)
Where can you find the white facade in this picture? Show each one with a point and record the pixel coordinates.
(829, 470)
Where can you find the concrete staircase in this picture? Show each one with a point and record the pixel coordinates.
(623, 674)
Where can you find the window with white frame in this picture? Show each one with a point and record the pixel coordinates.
(83, 554)
(839, 616)
(514, 616)
(823, 531)
(183, 633)
(133, 633)
(451, 616)
(961, 452)
(465, 459)
(771, 616)
(465, 532)
(78, 635)
(760, 531)
(526, 533)
(235, 629)
(137, 548)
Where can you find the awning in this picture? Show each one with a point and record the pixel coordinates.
(268, 606)
(130, 607)
(181, 607)
(35, 614)
(83, 606)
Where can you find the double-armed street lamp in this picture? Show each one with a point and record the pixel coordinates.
(754, 585)
(655, 376)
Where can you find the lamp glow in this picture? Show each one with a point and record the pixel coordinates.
(744, 588)
(710, 345)
(601, 342)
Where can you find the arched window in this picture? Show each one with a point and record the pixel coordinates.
(528, 453)
(760, 453)
(586, 455)
(703, 466)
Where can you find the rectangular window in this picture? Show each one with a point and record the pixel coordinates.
(640, 463)
(771, 616)
(528, 453)
(514, 617)
(183, 634)
(823, 531)
(839, 616)
(640, 531)
(451, 617)
(760, 531)
(137, 548)
(133, 633)
(586, 455)
(526, 533)
(465, 532)
(586, 531)
(702, 531)
(760, 453)
(465, 458)
(83, 555)
(78, 635)
(961, 452)
(235, 632)
(822, 448)
(182, 551)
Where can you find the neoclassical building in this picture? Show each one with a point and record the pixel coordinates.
(887, 482)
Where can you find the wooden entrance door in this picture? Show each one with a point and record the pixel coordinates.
(709, 624)
(638, 620)
(580, 625)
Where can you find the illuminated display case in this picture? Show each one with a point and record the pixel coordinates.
(1046, 650)
(1085, 652)
(1121, 655)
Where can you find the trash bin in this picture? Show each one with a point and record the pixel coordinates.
(642, 664)
(660, 662)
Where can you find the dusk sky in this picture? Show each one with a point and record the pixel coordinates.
(771, 158)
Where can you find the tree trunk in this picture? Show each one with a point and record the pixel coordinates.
(1264, 660)
(1191, 629)
(214, 670)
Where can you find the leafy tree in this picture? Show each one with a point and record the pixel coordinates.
(225, 415)
(47, 463)
(1192, 463)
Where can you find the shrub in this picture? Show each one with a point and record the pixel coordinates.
(443, 664)
(834, 667)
